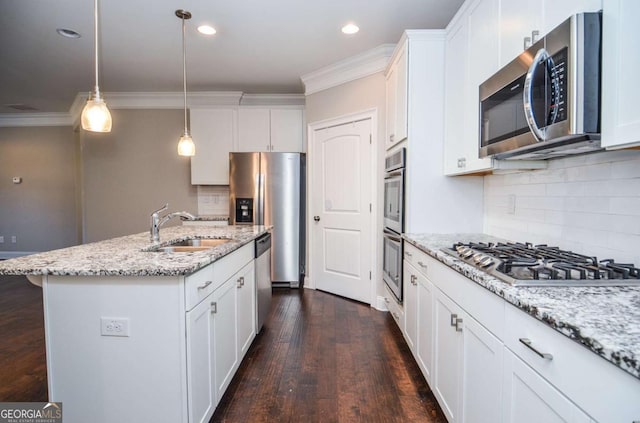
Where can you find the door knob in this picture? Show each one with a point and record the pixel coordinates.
(316, 218)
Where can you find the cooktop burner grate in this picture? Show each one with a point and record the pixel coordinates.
(525, 264)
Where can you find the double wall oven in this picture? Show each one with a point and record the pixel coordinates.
(393, 221)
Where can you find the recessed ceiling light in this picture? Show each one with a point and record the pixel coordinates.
(68, 33)
(206, 30)
(350, 28)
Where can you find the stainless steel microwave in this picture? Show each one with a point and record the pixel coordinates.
(546, 102)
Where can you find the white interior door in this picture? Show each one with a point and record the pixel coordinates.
(340, 206)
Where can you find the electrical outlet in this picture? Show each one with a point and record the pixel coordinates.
(14, 239)
(114, 326)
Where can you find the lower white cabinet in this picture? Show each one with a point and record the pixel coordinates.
(529, 398)
(410, 296)
(246, 307)
(225, 323)
(424, 354)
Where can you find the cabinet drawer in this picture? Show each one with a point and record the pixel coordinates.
(198, 285)
(602, 390)
(393, 306)
(417, 258)
(230, 264)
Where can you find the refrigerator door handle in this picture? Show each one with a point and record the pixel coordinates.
(260, 211)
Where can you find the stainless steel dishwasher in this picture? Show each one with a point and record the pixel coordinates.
(263, 279)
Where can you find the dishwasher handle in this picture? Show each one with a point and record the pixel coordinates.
(263, 244)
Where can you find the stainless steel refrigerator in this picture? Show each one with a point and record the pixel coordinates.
(270, 189)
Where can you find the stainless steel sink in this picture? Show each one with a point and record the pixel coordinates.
(191, 245)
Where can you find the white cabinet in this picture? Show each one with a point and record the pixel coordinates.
(213, 135)
(520, 18)
(200, 357)
(396, 102)
(225, 325)
(620, 68)
(246, 308)
(469, 60)
(424, 353)
(395, 308)
(270, 129)
(528, 398)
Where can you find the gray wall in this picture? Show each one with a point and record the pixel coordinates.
(132, 171)
(41, 211)
(356, 96)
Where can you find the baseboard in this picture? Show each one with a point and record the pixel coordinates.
(4, 255)
(381, 304)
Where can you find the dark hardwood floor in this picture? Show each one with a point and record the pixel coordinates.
(322, 358)
(23, 367)
(319, 358)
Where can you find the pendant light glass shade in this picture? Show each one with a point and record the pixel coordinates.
(186, 147)
(95, 115)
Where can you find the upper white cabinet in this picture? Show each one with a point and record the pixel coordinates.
(470, 59)
(270, 129)
(396, 103)
(521, 19)
(620, 68)
(213, 134)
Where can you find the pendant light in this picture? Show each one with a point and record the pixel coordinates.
(185, 145)
(95, 115)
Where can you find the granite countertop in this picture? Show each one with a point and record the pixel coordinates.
(126, 256)
(212, 218)
(605, 320)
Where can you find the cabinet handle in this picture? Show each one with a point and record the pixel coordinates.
(527, 43)
(206, 284)
(535, 36)
(413, 280)
(527, 343)
(391, 137)
(396, 315)
(214, 307)
(424, 266)
(386, 300)
(408, 254)
(454, 318)
(240, 282)
(458, 324)
(462, 162)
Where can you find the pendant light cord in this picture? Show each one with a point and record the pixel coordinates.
(95, 41)
(184, 75)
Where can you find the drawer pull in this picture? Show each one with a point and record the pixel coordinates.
(424, 266)
(206, 284)
(214, 308)
(458, 324)
(413, 280)
(527, 343)
(454, 319)
(408, 254)
(386, 300)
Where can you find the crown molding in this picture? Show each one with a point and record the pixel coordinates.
(356, 67)
(35, 119)
(272, 100)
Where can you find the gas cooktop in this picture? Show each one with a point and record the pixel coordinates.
(540, 265)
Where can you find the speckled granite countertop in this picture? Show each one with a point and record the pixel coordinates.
(212, 218)
(606, 320)
(125, 256)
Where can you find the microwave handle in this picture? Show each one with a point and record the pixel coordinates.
(527, 95)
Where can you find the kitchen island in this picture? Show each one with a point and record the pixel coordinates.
(571, 353)
(135, 334)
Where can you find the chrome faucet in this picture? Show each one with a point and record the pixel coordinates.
(157, 221)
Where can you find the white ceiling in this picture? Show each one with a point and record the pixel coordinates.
(261, 46)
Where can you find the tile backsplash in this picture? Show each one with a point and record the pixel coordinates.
(589, 204)
(213, 200)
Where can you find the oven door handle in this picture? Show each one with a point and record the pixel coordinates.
(394, 174)
(392, 235)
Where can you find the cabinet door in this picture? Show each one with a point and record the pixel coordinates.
(447, 359)
(254, 130)
(287, 130)
(410, 302)
(482, 373)
(425, 327)
(518, 18)
(401, 96)
(483, 23)
(224, 339)
(528, 398)
(212, 131)
(390, 88)
(246, 308)
(620, 69)
(200, 370)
